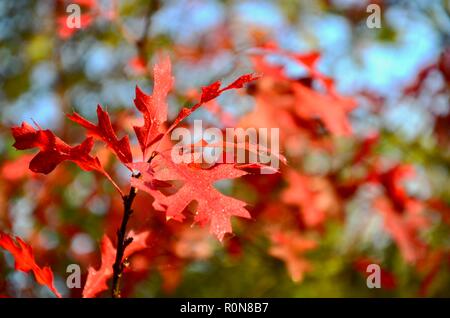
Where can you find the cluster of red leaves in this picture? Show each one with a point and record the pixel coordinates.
(214, 209)
(154, 110)
(296, 101)
(311, 114)
(25, 262)
(292, 206)
(53, 150)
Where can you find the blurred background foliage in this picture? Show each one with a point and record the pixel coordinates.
(45, 74)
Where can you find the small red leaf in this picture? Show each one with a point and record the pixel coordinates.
(97, 279)
(403, 231)
(154, 107)
(24, 260)
(209, 93)
(104, 131)
(53, 150)
(290, 247)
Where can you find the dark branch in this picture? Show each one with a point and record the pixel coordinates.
(123, 242)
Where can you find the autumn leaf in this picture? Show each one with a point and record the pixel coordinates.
(209, 93)
(154, 107)
(313, 196)
(404, 229)
(24, 260)
(213, 208)
(329, 107)
(97, 279)
(290, 248)
(104, 131)
(307, 60)
(53, 151)
(331, 110)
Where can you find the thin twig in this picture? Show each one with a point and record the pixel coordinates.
(123, 242)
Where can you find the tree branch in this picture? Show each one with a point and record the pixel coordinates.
(123, 242)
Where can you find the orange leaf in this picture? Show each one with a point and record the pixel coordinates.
(24, 260)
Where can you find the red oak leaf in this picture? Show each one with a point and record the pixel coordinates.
(53, 150)
(104, 131)
(213, 208)
(290, 247)
(154, 107)
(212, 91)
(328, 107)
(24, 260)
(226, 118)
(314, 197)
(308, 61)
(97, 279)
(404, 229)
(332, 110)
(209, 93)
